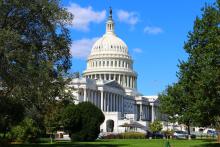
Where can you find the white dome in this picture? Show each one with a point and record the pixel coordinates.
(109, 59)
(109, 44)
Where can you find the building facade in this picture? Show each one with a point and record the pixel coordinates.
(110, 83)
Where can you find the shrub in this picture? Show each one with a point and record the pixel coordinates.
(133, 135)
(126, 135)
(83, 121)
(26, 131)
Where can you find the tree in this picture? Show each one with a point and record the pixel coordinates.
(34, 54)
(156, 126)
(199, 76)
(178, 105)
(83, 121)
(53, 116)
(201, 73)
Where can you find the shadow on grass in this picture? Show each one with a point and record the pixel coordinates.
(72, 144)
(208, 145)
(209, 140)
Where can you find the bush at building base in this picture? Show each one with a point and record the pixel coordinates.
(83, 121)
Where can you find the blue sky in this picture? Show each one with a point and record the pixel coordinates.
(154, 31)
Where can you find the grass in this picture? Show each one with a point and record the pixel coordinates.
(127, 143)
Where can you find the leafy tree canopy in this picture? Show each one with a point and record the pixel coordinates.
(156, 126)
(34, 53)
(195, 98)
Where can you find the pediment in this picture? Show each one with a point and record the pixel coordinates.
(114, 84)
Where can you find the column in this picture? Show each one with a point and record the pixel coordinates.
(122, 105)
(99, 99)
(141, 112)
(152, 113)
(102, 101)
(123, 80)
(119, 105)
(91, 96)
(95, 98)
(88, 95)
(132, 82)
(109, 100)
(119, 79)
(114, 76)
(146, 112)
(135, 83)
(106, 101)
(116, 104)
(113, 102)
(85, 95)
(127, 81)
(105, 77)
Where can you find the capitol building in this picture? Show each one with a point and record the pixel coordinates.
(110, 83)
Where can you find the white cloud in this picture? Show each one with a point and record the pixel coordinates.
(130, 18)
(137, 50)
(81, 48)
(84, 16)
(153, 30)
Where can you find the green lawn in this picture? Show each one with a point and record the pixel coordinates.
(128, 143)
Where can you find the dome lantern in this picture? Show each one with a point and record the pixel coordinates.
(110, 23)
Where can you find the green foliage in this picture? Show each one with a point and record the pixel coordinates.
(52, 119)
(34, 56)
(26, 131)
(200, 75)
(126, 135)
(83, 121)
(178, 104)
(156, 126)
(133, 135)
(194, 99)
(8, 116)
